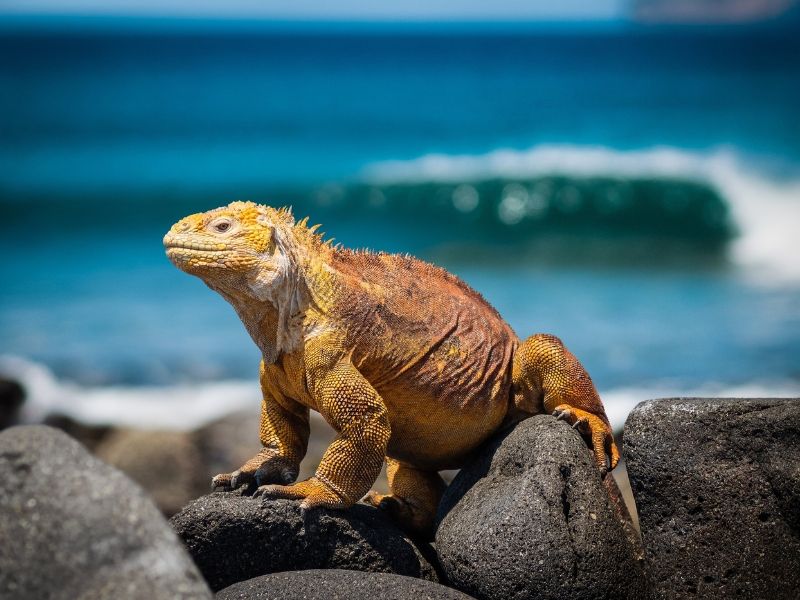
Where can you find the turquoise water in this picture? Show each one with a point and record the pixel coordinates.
(635, 192)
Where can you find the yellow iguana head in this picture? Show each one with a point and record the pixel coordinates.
(237, 246)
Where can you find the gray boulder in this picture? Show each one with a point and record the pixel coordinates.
(90, 436)
(337, 584)
(176, 467)
(167, 464)
(531, 518)
(73, 527)
(233, 537)
(717, 483)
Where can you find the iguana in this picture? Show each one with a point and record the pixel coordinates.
(405, 361)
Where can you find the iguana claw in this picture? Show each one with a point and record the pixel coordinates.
(595, 431)
(265, 467)
(223, 481)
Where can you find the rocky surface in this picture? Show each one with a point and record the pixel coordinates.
(74, 527)
(337, 584)
(531, 518)
(233, 538)
(717, 483)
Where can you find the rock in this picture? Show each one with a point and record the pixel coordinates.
(176, 467)
(234, 537)
(90, 436)
(228, 442)
(12, 396)
(717, 483)
(167, 464)
(531, 518)
(74, 527)
(337, 584)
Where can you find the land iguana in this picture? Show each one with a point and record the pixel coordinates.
(405, 361)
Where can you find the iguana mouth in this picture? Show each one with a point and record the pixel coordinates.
(175, 243)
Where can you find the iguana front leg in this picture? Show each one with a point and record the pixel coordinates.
(284, 435)
(547, 376)
(353, 461)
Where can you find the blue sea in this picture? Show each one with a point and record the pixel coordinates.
(634, 191)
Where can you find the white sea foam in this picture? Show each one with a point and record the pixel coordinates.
(187, 406)
(765, 211)
(179, 406)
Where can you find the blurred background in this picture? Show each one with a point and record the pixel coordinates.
(622, 173)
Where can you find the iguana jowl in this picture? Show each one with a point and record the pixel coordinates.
(405, 361)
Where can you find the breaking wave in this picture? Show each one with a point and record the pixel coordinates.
(713, 198)
(572, 203)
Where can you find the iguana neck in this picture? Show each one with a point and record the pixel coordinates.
(278, 306)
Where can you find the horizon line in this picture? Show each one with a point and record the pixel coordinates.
(11, 21)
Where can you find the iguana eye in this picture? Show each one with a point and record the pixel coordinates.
(221, 225)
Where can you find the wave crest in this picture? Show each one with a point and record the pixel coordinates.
(713, 197)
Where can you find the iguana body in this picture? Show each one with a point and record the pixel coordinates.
(405, 361)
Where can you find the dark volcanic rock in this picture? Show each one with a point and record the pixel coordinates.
(337, 584)
(717, 483)
(530, 518)
(234, 537)
(12, 396)
(73, 527)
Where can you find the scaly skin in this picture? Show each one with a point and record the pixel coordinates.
(405, 361)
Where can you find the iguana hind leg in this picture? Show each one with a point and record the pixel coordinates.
(414, 497)
(547, 377)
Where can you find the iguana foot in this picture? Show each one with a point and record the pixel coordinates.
(595, 431)
(546, 374)
(265, 467)
(412, 519)
(313, 492)
(414, 497)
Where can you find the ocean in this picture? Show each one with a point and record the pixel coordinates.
(634, 191)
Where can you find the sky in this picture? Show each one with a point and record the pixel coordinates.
(544, 10)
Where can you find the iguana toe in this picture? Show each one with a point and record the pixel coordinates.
(276, 470)
(596, 432)
(563, 413)
(313, 493)
(582, 426)
(221, 482)
(240, 478)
